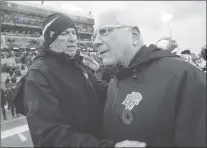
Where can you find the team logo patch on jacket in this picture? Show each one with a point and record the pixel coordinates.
(131, 100)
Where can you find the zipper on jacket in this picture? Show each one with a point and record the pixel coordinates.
(134, 74)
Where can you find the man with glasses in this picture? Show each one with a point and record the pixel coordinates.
(154, 99)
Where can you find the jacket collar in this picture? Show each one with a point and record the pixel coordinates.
(143, 56)
(61, 58)
(146, 54)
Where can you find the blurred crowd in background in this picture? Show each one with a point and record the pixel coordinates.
(30, 20)
(14, 65)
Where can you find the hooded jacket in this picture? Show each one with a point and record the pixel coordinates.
(64, 102)
(159, 99)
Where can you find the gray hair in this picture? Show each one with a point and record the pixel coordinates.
(118, 16)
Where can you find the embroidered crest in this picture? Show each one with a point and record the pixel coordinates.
(131, 100)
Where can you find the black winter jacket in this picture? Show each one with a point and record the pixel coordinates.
(64, 102)
(159, 99)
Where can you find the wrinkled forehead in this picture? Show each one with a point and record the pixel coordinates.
(107, 19)
(106, 22)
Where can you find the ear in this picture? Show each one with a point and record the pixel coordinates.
(135, 35)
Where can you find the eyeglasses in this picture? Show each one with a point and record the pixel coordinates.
(107, 30)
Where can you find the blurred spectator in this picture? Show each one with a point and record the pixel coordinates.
(13, 80)
(203, 52)
(11, 73)
(11, 94)
(23, 70)
(186, 55)
(186, 52)
(17, 72)
(3, 103)
(7, 80)
(23, 60)
(22, 67)
(167, 44)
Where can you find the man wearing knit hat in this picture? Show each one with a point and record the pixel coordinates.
(63, 100)
(56, 29)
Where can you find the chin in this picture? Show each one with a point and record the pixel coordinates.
(108, 62)
(71, 54)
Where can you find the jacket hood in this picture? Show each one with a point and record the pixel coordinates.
(142, 57)
(61, 57)
(146, 54)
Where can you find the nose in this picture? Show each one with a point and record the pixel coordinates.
(70, 37)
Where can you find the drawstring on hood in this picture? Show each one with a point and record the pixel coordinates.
(134, 75)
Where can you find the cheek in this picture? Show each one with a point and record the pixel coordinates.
(118, 46)
(61, 39)
(60, 45)
(75, 37)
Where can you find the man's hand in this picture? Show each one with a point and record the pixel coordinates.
(128, 143)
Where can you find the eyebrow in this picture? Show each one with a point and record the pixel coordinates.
(72, 29)
(64, 32)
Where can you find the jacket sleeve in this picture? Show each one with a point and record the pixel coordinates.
(45, 120)
(190, 123)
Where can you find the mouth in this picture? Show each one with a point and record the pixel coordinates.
(102, 52)
(70, 46)
(71, 43)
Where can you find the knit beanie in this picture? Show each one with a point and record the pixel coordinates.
(54, 25)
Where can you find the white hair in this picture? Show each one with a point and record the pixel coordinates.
(167, 44)
(117, 16)
(164, 44)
